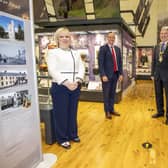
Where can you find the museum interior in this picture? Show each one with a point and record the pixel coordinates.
(132, 140)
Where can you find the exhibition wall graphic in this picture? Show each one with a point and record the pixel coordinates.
(69, 9)
(16, 7)
(144, 56)
(107, 9)
(20, 138)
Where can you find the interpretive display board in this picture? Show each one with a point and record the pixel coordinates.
(144, 56)
(20, 138)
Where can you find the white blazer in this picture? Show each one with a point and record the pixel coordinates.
(65, 65)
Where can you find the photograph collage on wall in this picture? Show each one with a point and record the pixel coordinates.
(19, 111)
(13, 74)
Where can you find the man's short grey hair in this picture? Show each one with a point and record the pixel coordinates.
(164, 28)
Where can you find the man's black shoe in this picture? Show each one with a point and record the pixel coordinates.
(115, 113)
(108, 115)
(166, 122)
(157, 115)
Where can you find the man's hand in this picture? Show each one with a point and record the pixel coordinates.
(120, 78)
(104, 79)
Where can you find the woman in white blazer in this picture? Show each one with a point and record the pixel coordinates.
(67, 71)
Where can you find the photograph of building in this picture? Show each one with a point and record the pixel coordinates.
(12, 78)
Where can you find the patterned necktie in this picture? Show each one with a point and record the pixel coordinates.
(162, 47)
(114, 59)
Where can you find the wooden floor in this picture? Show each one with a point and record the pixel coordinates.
(117, 143)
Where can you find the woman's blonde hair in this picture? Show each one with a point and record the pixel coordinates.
(58, 31)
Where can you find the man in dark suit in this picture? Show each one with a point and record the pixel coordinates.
(160, 73)
(110, 67)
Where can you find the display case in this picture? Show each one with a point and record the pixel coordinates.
(128, 52)
(87, 40)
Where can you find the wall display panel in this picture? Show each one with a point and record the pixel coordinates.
(19, 113)
(69, 9)
(106, 8)
(41, 14)
(16, 7)
(144, 56)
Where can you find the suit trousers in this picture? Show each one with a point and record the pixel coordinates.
(65, 105)
(109, 91)
(160, 86)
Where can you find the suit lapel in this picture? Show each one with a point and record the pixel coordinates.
(166, 49)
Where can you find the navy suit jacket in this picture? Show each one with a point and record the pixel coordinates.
(105, 61)
(160, 69)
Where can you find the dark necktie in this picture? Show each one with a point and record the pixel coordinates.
(114, 59)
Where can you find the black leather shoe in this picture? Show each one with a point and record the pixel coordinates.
(115, 113)
(166, 122)
(157, 115)
(76, 140)
(108, 115)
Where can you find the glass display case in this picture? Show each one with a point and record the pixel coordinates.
(88, 42)
(128, 49)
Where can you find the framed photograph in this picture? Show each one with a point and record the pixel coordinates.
(144, 56)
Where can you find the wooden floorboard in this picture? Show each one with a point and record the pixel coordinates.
(117, 143)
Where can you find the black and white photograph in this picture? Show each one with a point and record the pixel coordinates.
(15, 100)
(12, 54)
(12, 78)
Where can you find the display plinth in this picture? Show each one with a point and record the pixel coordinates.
(49, 160)
(86, 95)
(97, 96)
